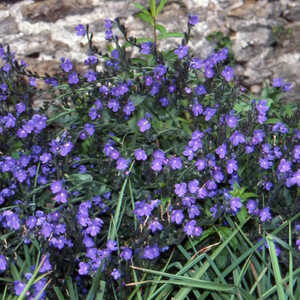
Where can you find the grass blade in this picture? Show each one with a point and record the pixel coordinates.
(275, 265)
(117, 219)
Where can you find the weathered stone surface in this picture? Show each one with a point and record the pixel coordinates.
(53, 10)
(265, 34)
(8, 25)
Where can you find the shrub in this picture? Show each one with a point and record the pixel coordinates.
(148, 153)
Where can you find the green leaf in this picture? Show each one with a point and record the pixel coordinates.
(153, 8)
(145, 17)
(242, 214)
(277, 273)
(137, 99)
(142, 8)
(272, 121)
(81, 178)
(170, 34)
(161, 6)
(58, 293)
(161, 28)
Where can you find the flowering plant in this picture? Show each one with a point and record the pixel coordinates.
(137, 157)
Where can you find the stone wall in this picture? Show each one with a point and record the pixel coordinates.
(265, 34)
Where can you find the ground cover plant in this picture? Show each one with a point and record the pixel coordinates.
(156, 176)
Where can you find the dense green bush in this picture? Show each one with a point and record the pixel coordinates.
(149, 153)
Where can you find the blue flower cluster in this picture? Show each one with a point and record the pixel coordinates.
(180, 133)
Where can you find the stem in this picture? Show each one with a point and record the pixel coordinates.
(155, 38)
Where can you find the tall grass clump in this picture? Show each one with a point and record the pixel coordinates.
(156, 176)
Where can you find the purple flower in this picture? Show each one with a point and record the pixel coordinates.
(56, 186)
(140, 154)
(19, 287)
(45, 157)
(146, 47)
(209, 113)
(94, 227)
(66, 65)
(115, 54)
(108, 35)
(9, 121)
(175, 163)
(197, 109)
(228, 73)
(280, 127)
(252, 207)
(287, 87)
(155, 88)
(262, 107)
(231, 121)
(148, 81)
(156, 164)
(177, 216)
(296, 152)
(237, 138)
(160, 70)
(209, 72)
(6, 68)
(265, 215)
(151, 252)
(61, 197)
(91, 60)
(231, 166)
(265, 163)
(31, 222)
(278, 82)
(46, 230)
(116, 274)
(129, 108)
(126, 253)
(108, 24)
(112, 245)
(180, 189)
(46, 266)
(142, 209)
(218, 176)
(197, 231)
(73, 78)
(32, 81)
(182, 51)
(193, 186)
(66, 148)
(189, 227)
(284, 166)
(89, 128)
(80, 30)
(258, 136)
(193, 20)
(3, 263)
(144, 125)
(200, 164)
(261, 118)
(193, 211)
(155, 226)
(83, 268)
(122, 164)
(90, 76)
(200, 90)
(164, 102)
(298, 244)
(221, 151)
(20, 108)
(295, 179)
(235, 204)
(21, 175)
